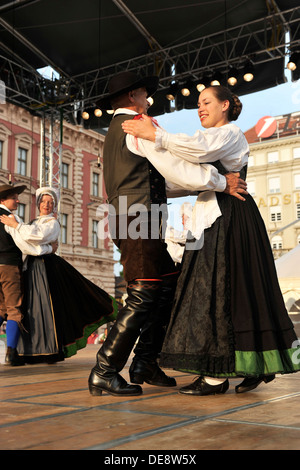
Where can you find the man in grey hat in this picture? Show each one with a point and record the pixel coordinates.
(133, 185)
(11, 290)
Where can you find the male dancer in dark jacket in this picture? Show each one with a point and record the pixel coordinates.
(134, 185)
(11, 291)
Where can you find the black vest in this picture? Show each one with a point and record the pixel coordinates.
(128, 174)
(9, 252)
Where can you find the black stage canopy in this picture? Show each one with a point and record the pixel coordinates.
(181, 41)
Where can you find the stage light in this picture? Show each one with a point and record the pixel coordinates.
(98, 112)
(186, 89)
(293, 63)
(216, 79)
(202, 83)
(232, 76)
(200, 86)
(85, 115)
(172, 92)
(248, 73)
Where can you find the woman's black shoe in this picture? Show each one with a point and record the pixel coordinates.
(250, 383)
(200, 387)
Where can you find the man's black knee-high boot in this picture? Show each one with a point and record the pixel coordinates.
(144, 367)
(112, 356)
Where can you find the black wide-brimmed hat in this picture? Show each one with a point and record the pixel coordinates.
(124, 82)
(9, 189)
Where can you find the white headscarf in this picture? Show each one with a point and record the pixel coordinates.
(50, 192)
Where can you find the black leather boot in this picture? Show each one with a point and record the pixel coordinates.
(12, 358)
(145, 371)
(144, 367)
(114, 353)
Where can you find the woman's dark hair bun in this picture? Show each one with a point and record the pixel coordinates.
(235, 109)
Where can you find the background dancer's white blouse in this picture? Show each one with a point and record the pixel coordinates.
(35, 238)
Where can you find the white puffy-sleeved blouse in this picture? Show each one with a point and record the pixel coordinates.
(227, 144)
(35, 238)
(181, 178)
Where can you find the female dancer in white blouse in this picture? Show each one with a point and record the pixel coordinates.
(228, 318)
(61, 307)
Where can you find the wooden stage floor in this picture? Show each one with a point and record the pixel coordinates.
(48, 407)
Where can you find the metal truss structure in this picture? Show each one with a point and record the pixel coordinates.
(51, 149)
(265, 41)
(188, 60)
(216, 51)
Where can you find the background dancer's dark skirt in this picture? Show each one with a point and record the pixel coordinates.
(61, 309)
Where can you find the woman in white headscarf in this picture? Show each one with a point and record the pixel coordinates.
(61, 307)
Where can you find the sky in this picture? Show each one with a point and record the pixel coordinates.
(276, 101)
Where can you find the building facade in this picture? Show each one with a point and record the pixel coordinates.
(81, 182)
(274, 178)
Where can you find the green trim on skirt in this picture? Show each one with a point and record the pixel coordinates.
(254, 364)
(80, 343)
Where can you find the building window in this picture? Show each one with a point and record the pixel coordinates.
(95, 184)
(275, 213)
(296, 152)
(272, 157)
(95, 234)
(22, 161)
(251, 187)
(298, 211)
(277, 243)
(21, 211)
(1, 153)
(297, 181)
(274, 185)
(65, 175)
(64, 228)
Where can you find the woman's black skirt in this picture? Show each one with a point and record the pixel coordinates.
(229, 317)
